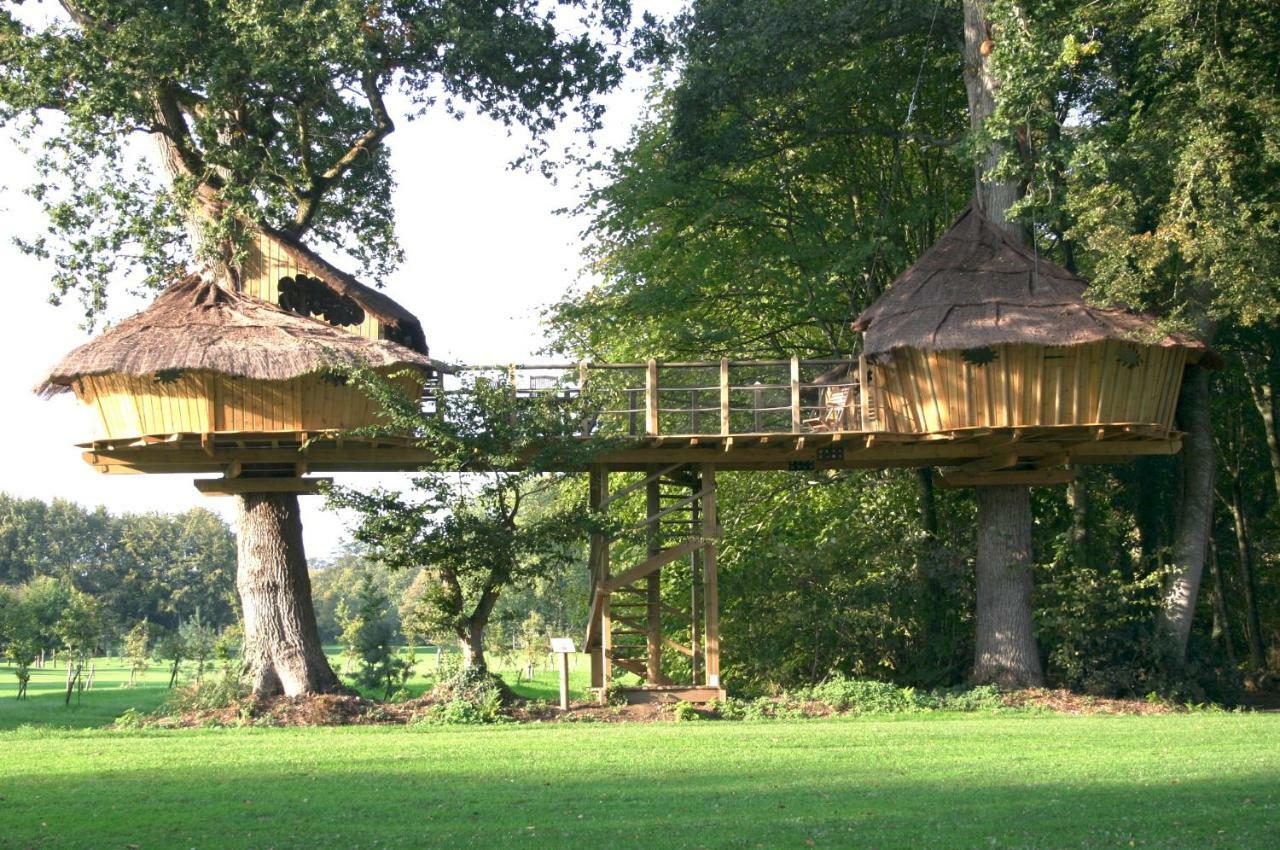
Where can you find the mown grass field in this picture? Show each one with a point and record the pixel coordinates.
(1009, 780)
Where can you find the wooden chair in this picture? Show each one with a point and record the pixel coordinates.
(833, 418)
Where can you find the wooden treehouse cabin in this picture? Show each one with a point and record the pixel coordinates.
(249, 381)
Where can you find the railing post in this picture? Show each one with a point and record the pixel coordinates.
(795, 395)
(511, 381)
(651, 424)
(725, 426)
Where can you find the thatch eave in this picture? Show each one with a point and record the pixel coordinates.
(195, 325)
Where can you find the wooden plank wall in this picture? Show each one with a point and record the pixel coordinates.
(1027, 385)
(268, 261)
(204, 402)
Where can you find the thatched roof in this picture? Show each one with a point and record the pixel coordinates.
(197, 325)
(977, 287)
(405, 326)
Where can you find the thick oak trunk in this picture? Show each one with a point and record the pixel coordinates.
(471, 642)
(1195, 511)
(282, 647)
(1006, 653)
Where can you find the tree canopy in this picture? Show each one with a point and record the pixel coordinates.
(274, 112)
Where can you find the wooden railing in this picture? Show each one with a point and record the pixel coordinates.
(722, 397)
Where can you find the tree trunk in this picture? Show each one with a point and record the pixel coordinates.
(282, 643)
(1006, 653)
(1248, 584)
(1195, 512)
(471, 640)
(1221, 623)
(1078, 500)
(1260, 388)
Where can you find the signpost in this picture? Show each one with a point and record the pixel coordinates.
(563, 647)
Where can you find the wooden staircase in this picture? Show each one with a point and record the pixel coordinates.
(631, 624)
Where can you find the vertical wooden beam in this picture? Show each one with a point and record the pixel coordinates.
(795, 395)
(695, 587)
(606, 618)
(653, 583)
(651, 424)
(582, 376)
(710, 595)
(864, 394)
(725, 427)
(594, 500)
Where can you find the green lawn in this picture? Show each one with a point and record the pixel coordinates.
(110, 698)
(1009, 780)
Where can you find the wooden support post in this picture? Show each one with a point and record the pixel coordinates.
(695, 606)
(653, 587)
(710, 595)
(725, 426)
(651, 423)
(865, 400)
(596, 583)
(606, 624)
(795, 395)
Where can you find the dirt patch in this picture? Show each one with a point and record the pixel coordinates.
(1067, 702)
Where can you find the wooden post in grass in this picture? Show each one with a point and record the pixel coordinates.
(563, 647)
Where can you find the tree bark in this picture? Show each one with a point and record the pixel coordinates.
(282, 647)
(1006, 653)
(1195, 512)
(1262, 391)
(471, 641)
(1221, 623)
(1248, 583)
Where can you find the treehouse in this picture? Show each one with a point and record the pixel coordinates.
(247, 383)
(983, 336)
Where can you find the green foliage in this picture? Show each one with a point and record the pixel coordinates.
(465, 696)
(277, 110)
(199, 640)
(369, 638)
(155, 567)
(137, 650)
(500, 523)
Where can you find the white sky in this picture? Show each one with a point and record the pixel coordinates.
(483, 253)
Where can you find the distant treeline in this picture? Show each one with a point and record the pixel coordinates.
(159, 567)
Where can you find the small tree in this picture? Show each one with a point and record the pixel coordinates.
(369, 637)
(495, 524)
(170, 648)
(198, 640)
(137, 647)
(78, 628)
(20, 635)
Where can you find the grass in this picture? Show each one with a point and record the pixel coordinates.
(110, 698)
(1009, 780)
(1006, 781)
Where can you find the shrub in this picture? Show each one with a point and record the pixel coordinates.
(861, 696)
(467, 696)
(131, 719)
(684, 711)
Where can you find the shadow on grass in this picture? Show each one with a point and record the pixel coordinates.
(424, 793)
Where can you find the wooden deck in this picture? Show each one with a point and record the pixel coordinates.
(970, 452)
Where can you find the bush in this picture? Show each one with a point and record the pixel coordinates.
(861, 696)
(467, 696)
(209, 695)
(684, 711)
(131, 719)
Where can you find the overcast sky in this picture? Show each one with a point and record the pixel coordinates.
(483, 253)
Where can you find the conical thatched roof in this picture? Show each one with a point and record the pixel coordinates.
(977, 287)
(197, 325)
